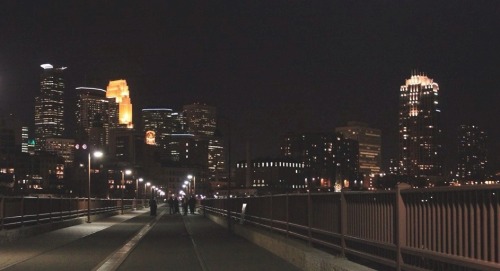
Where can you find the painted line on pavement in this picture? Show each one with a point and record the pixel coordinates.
(113, 261)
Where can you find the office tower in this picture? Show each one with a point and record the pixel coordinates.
(93, 111)
(216, 157)
(200, 119)
(49, 105)
(276, 175)
(471, 154)
(118, 90)
(63, 147)
(328, 158)
(419, 128)
(157, 124)
(370, 143)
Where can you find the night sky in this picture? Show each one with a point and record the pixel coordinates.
(270, 67)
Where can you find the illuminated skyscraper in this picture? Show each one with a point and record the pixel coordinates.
(216, 157)
(419, 127)
(49, 106)
(118, 90)
(471, 153)
(370, 143)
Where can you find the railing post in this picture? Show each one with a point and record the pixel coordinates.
(38, 209)
(2, 212)
(60, 208)
(228, 212)
(22, 211)
(343, 221)
(50, 209)
(400, 227)
(271, 212)
(309, 218)
(287, 216)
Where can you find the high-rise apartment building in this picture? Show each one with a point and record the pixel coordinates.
(118, 89)
(49, 105)
(200, 119)
(370, 145)
(419, 127)
(472, 154)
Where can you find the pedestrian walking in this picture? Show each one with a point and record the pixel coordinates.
(176, 205)
(185, 205)
(171, 206)
(192, 204)
(152, 206)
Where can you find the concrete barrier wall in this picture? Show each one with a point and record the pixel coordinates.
(12, 235)
(297, 253)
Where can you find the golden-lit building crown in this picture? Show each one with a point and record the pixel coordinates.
(118, 89)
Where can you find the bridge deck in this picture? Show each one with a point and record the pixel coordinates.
(137, 241)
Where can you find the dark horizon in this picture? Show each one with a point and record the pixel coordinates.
(268, 68)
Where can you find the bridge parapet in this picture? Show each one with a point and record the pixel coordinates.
(446, 228)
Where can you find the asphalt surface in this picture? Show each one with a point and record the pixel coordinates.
(138, 241)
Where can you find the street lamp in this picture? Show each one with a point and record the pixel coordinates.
(153, 188)
(191, 177)
(137, 187)
(145, 189)
(187, 185)
(128, 172)
(97, 154)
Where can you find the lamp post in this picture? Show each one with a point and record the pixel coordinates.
(128, 172)
(137, 191)
(145, 189)
(97, 154)
(187, 185)
(137, 187)
(191, 177)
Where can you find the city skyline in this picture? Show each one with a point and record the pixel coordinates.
(268, 68)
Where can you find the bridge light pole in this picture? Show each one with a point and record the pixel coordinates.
(128, 172)
(97, 154)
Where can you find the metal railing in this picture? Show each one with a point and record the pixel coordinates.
(25, 211)
(449, 228)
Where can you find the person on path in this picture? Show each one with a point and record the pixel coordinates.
(152, 207)
(176, 205)
(185, 205)
(192, 204)
(171, 205)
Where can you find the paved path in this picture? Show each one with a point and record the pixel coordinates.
(137, 241)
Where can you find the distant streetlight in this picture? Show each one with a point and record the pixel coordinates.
(97, 154)
(128, 172)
